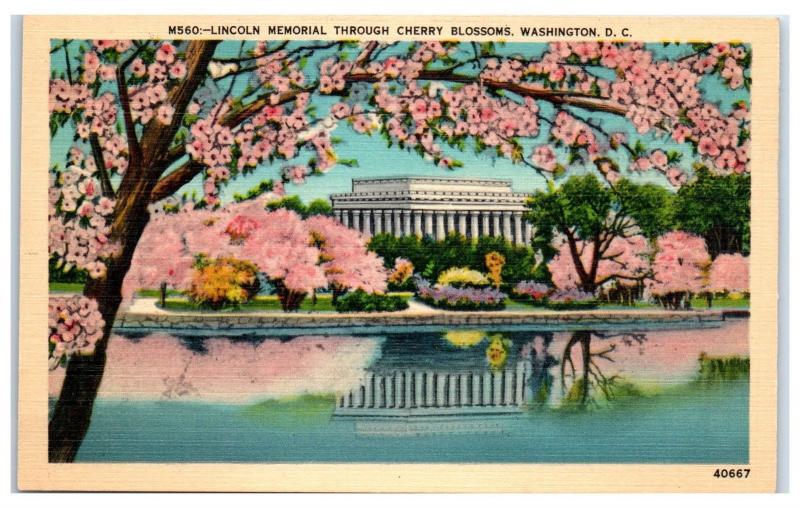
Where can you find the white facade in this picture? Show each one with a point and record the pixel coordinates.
(434, 206)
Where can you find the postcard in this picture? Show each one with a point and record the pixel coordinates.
(398, 254)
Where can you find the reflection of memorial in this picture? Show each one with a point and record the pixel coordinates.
(437, 392)
(431, 383)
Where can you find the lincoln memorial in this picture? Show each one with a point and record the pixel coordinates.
(434, 206)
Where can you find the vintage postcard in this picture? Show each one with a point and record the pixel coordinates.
(399, 254)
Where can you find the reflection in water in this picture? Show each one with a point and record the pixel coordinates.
(464, 395)
(459, 371)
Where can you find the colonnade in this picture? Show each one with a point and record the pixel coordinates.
(438, 223)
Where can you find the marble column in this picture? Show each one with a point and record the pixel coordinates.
(346, 217)
(377, 222)
(417, 214)
(440, 225)
(357, 220)
(428, 222)
(528, 232)
(485, 226)
(406, 222)
(462, 223)
(397, 226)
(496, 223)
(474, 225)
(518, 229)
(337, 214)
(507, 226)
(366, 217)
(451, 222)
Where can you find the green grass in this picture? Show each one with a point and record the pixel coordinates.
(697, 304)
(66, 287)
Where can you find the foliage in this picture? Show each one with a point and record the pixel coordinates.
(590, 224)
(722, 368)
(460, 277)
(361, 301)
(431, 257)
(716, 207)
(223, 282)
(316, 207)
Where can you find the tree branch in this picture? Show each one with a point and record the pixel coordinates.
(105, 181)
(157, 137)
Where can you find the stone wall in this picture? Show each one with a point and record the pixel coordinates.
(244, 320)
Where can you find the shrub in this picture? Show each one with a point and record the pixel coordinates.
(466, 298)
(572, 299)
(533, 291)
(494, 265)
(222, 282)
(461, 277)
(361, 301)
(400, 277)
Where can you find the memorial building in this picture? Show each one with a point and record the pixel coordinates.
(434, 206)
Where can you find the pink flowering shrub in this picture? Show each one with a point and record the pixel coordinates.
(729, 273)
(679, 268)
(346, 262)
(75, 326)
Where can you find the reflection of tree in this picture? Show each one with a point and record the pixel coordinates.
(591, 375)
(540, 381)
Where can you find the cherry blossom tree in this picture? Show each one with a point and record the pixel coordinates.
(346, 262)
(599, 233)
(729, 273)
(680, 269)
(625, 262)
(151, 116)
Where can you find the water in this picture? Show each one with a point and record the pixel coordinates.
(459, 395)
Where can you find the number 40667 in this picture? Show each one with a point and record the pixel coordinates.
(731, 473)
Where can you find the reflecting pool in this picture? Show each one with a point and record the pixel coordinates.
(647, 393)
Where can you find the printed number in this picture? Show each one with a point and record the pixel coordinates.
(731, 473)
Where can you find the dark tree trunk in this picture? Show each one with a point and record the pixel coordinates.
(73, 411)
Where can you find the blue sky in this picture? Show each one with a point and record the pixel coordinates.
(375, 159)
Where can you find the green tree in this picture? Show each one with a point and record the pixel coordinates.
(294, 203)
(584, 210)
(718, 209)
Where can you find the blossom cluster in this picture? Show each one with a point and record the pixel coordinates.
(79, 217)
(75, 327)
(148, 100)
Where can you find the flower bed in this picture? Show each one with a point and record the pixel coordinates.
(572, 299)
(452, 298)
(534, 292)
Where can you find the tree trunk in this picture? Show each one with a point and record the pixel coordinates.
(73, 411)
